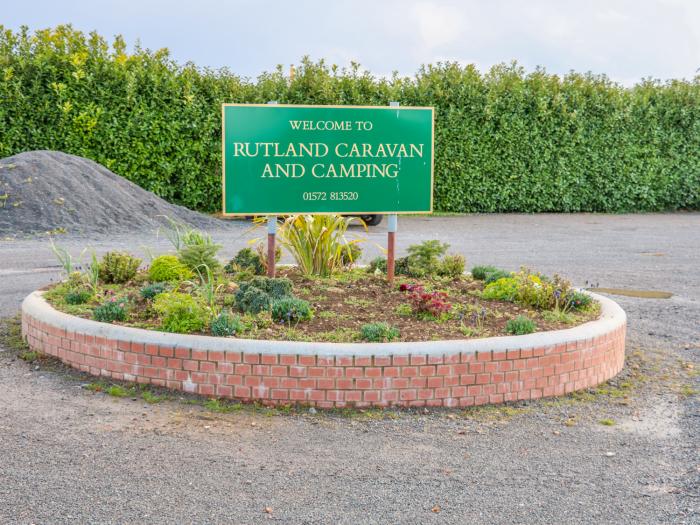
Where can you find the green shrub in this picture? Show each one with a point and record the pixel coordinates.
(401, 266)
(151, 290)
(225, 325)
(118, 267)
(279, 287)
(243, 275)
(496, 275)
(351, 254)
(166, 268)
(481, 272)
(252, 299)
(77, 297)
(577, 300)
(504, 289)
(181, 312)
(111, 310)
(537, 142)
(521, 325)
(378, 263)
(275, 287)
(424, 258)
(291, 310)
(246, 260)
(451, 266)
(541, 292)
(197, 257)
(378, 332)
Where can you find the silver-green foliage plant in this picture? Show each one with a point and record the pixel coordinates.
(111, 310)
(257, 294)
(226, 324)
(149, 291)
(291, 310)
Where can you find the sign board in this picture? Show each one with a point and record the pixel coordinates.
(286, 159)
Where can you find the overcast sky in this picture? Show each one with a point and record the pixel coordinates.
(625, 39)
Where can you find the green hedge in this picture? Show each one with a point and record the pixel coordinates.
(505, 140)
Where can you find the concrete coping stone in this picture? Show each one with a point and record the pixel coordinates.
(612, 316)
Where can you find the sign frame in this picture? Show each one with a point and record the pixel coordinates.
(224, 213)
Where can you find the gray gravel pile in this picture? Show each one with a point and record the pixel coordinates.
(48, 190)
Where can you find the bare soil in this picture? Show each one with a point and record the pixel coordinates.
(344, 304)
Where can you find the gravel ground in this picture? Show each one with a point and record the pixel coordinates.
(73, 456)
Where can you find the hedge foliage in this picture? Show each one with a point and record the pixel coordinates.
(506, 140)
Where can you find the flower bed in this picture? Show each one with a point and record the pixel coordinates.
(430, 373)
(323, 331)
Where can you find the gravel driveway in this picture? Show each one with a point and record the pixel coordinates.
(70, 455)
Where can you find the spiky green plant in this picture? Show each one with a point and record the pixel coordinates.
(317, 242)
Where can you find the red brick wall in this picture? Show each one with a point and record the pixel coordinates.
(459, 379)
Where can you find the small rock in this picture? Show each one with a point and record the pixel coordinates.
(461, 432)
(312, 410)
(267, 510)
(436, 509)
(609, 454)
(556, 433)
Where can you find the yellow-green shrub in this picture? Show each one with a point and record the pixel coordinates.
(181, 312)
(168, 268)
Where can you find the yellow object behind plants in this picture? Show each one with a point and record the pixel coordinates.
(317, 242)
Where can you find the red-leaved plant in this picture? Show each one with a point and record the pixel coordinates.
(433, 303)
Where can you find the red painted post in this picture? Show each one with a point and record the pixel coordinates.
(391, 236)
(391, 244)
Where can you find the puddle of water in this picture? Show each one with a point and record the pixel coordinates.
(644, 294)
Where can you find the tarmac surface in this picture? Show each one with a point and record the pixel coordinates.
(70, 455)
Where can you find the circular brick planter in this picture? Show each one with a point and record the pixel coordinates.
(431, 373)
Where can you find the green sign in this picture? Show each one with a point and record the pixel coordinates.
(283, 159)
